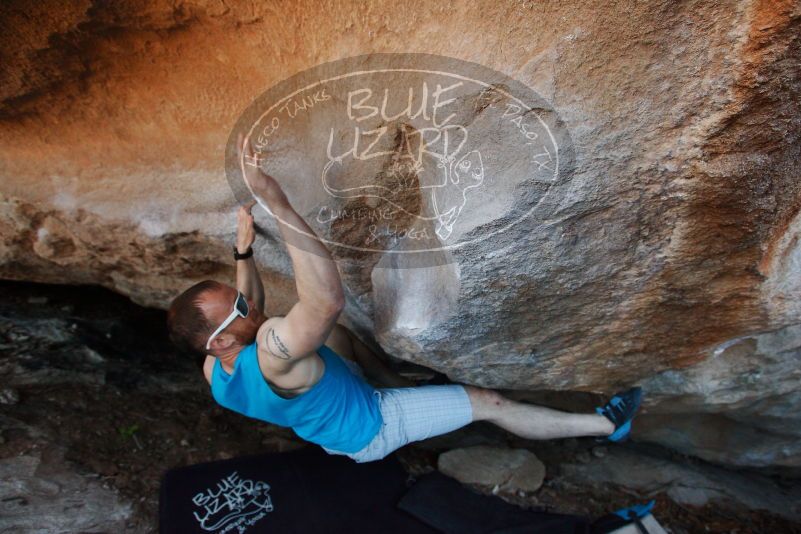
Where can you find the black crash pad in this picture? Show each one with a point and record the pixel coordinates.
(445, 504)
(302, 491)
(309, 491)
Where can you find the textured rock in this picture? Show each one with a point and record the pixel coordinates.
(688, 483)
(509, 469)
(672, 253)
(738, 407)
(48, 495)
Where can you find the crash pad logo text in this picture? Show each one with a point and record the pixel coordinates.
(232, 505)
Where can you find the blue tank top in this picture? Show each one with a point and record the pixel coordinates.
(340, 412)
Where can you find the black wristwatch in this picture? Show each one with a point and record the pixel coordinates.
(245, 255)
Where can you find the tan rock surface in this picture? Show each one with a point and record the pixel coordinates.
(509, 469)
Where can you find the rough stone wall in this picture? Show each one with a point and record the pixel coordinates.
(672, 257)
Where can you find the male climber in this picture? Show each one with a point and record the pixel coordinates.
(298, 370)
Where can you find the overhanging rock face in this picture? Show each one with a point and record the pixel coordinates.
(671, 258)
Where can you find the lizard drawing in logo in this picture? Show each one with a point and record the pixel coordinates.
(441, 178)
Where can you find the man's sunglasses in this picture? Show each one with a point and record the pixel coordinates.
(241, 309)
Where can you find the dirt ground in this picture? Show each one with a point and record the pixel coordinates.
(152, 410)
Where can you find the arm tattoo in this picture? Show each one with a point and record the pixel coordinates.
(278, 343)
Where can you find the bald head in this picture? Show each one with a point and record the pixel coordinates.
(187, 321)
(197, 312)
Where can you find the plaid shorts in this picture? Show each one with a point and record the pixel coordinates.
(413, 414)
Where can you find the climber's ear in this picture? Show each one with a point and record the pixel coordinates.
(222, 341)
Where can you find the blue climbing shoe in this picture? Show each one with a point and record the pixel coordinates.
(621, 409)
(638, 511)
(615, 521)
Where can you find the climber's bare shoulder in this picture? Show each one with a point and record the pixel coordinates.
(293, 374)
(283, 367)
(288, 354)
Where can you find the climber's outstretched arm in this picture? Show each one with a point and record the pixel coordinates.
(284, 340)
(248, 280)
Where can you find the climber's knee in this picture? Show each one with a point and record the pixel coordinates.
(486, 403)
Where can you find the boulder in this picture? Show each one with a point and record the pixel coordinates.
(45, 493)
(666, 252)
(508, 469)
